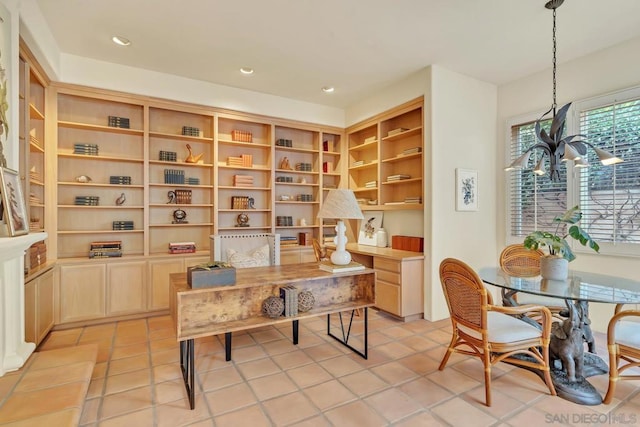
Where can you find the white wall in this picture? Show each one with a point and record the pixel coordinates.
(600, 73)
(463, 136)
(10, 53)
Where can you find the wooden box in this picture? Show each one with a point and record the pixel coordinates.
(408, 243)
(209, 276)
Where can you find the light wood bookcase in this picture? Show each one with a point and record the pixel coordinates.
(386, 145)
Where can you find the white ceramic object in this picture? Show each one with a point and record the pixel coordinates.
(554, 268)
(381, 238)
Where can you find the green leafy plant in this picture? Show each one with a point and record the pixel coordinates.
(556, 244)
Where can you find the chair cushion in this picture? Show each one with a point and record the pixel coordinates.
(503, 328)
(524, 298)
(627, 333)
(257, 258)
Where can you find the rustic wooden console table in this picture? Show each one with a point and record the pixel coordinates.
(224, 309)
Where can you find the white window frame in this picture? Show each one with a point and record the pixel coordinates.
(573, 184)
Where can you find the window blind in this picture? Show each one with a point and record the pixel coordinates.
(610, 195)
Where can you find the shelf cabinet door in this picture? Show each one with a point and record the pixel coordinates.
(45, 305)
(82, 292)
(30, 311)
(126, 287)
(159, 271)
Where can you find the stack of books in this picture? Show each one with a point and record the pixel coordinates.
(173, 176)
(284, 179)
(121, 180)
(416, 199)
(304, 167)
(193, 181)
(328, 238)
(398, 177)
(289, 295)
(333, 268)
(242, 181)
(33, 175)
(304, 197)
(357, 163)
(35, 200)
(288, 241)
(85, 148)
(123, 225)
(183, 197)
(371, 184)
(411, 151)
(87, 201)
(168, 156)
(34, 224)
(245, 160)
(241, 136)
(182, 247)
(190, 131)
(119, 122)
(284, 143)
(327, 167)
(396, 131)
(106, 249)
(370, 139)
(37, 254)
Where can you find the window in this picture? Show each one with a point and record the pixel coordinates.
(609, 196)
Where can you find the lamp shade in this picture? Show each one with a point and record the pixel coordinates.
(340, 204)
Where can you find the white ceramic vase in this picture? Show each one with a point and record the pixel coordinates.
(554, 268)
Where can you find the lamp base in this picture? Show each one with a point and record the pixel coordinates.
(340, 257)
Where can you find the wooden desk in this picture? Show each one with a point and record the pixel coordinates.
(400, 279)
(204, 312)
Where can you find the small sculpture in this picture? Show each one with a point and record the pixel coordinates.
(83, 178)
(172, 197)
(191, 158)
(567, 343)
(284, 164)
(120, 200)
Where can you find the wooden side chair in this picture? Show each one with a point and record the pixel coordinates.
(623, 344)
(318, 251)
(516, 260)
(490, 332)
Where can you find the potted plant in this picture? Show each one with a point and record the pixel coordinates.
(555, 266)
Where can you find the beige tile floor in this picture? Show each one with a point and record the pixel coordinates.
(271, 382)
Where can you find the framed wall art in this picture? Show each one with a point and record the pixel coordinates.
(369, 226)
(466, 190)
(13, 209)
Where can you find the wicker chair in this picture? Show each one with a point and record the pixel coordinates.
(516, 260)
(488, 330)
(623, 344)
(320, 253)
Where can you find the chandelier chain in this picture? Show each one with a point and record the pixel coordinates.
(554, 62)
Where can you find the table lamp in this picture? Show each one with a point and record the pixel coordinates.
(340, 204)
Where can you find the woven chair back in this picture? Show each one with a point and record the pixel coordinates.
(465, 294)
(516, 260)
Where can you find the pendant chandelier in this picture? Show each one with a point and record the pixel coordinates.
(551, 142)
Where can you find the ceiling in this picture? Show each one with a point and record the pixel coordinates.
(357, 46)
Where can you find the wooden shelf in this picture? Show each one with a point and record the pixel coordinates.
(401, 181)
(95, 184)
(414, 131)
(99, 128)
(297, 172)
(180, 137)
(189, 224)
(99, 158)
(295, 150)
(364, 166)
(402, 157)
(364, 146)
(245, 144)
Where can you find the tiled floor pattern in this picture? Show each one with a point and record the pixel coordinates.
(270, 382)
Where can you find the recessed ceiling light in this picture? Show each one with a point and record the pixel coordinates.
(328, 89)
(246, 70)
(121, 41)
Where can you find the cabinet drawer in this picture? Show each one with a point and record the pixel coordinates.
(386, 264)
(388, 276)
(388, 297)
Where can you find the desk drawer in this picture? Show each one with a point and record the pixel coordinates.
(388, 297)
(388, 276)
(386, 264)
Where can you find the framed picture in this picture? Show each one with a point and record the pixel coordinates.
(13, 209)
(466, 190)
(370, 225)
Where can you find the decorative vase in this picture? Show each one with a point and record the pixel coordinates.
(554, 268)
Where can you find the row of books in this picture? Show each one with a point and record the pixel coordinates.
(183, 196)
(85, 148)
(168, 156)
(284, 221)
(190, 131)
(304, 167)
(284, 142)
(122, 225)
(120, 179)
(396, 131)
(304, 197)
(357, 163)
(240, 202)
(173, 176)
(412, 150)
(245, 160)
(284, 179)
(371, 184)
(415, 199)
(87, 201)
(192, 181)
(327, 145)
(182, 247)
(289, 295)
(327, 167)
(242, 181)
(241, 136)
(118, 122)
